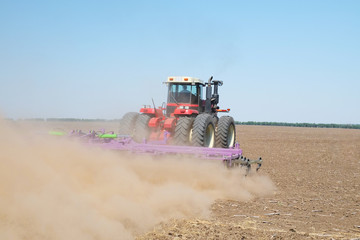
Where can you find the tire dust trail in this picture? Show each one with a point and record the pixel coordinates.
(54, 188)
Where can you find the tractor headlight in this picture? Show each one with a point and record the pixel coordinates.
(186, 107)
(181, 107)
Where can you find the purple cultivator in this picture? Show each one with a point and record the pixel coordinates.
(231, 157)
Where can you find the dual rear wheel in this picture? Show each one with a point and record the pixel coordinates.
(183, 131)
(226, 132)
(127, 123)
(135, 125)
(200, 131)
(203, 133)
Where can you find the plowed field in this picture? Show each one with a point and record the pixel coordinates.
(317, 174)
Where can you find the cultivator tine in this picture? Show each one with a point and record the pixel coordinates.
(244, 162)
(248, 169)
(259, 164)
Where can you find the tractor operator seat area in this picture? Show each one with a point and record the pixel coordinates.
(184, 93)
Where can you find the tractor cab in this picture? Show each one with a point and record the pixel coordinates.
(184, 96)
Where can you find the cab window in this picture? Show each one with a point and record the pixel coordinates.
(181, 93)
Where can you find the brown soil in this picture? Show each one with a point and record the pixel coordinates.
(317, 174)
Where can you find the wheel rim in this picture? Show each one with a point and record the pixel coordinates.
(190, 135)
(209, 136)
(231, 136)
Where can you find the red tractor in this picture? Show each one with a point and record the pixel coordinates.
(186, 119)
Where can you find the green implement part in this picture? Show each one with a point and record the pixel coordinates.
(108, 135)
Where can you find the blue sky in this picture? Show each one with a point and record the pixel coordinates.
(289, 61)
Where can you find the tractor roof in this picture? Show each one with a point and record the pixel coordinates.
(184, 80)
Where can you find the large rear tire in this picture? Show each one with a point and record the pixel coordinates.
(226, 132)
(127, 123)
(182, 130)
(203, 133)
(142, 130)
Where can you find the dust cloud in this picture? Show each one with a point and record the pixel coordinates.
(57, 189)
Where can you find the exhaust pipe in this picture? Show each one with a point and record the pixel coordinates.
(208, 96)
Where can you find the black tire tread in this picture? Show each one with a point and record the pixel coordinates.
(142, 129)
(127, 123)
(221, 136)
(182, 130)
(200, 124)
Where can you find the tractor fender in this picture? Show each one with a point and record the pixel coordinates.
(169, 124)
(154, 122)
(149, 111)
(152, 111)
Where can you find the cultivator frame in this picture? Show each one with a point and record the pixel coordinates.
(231, 157)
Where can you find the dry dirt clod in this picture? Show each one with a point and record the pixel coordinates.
(271, 214)
(316, 210)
